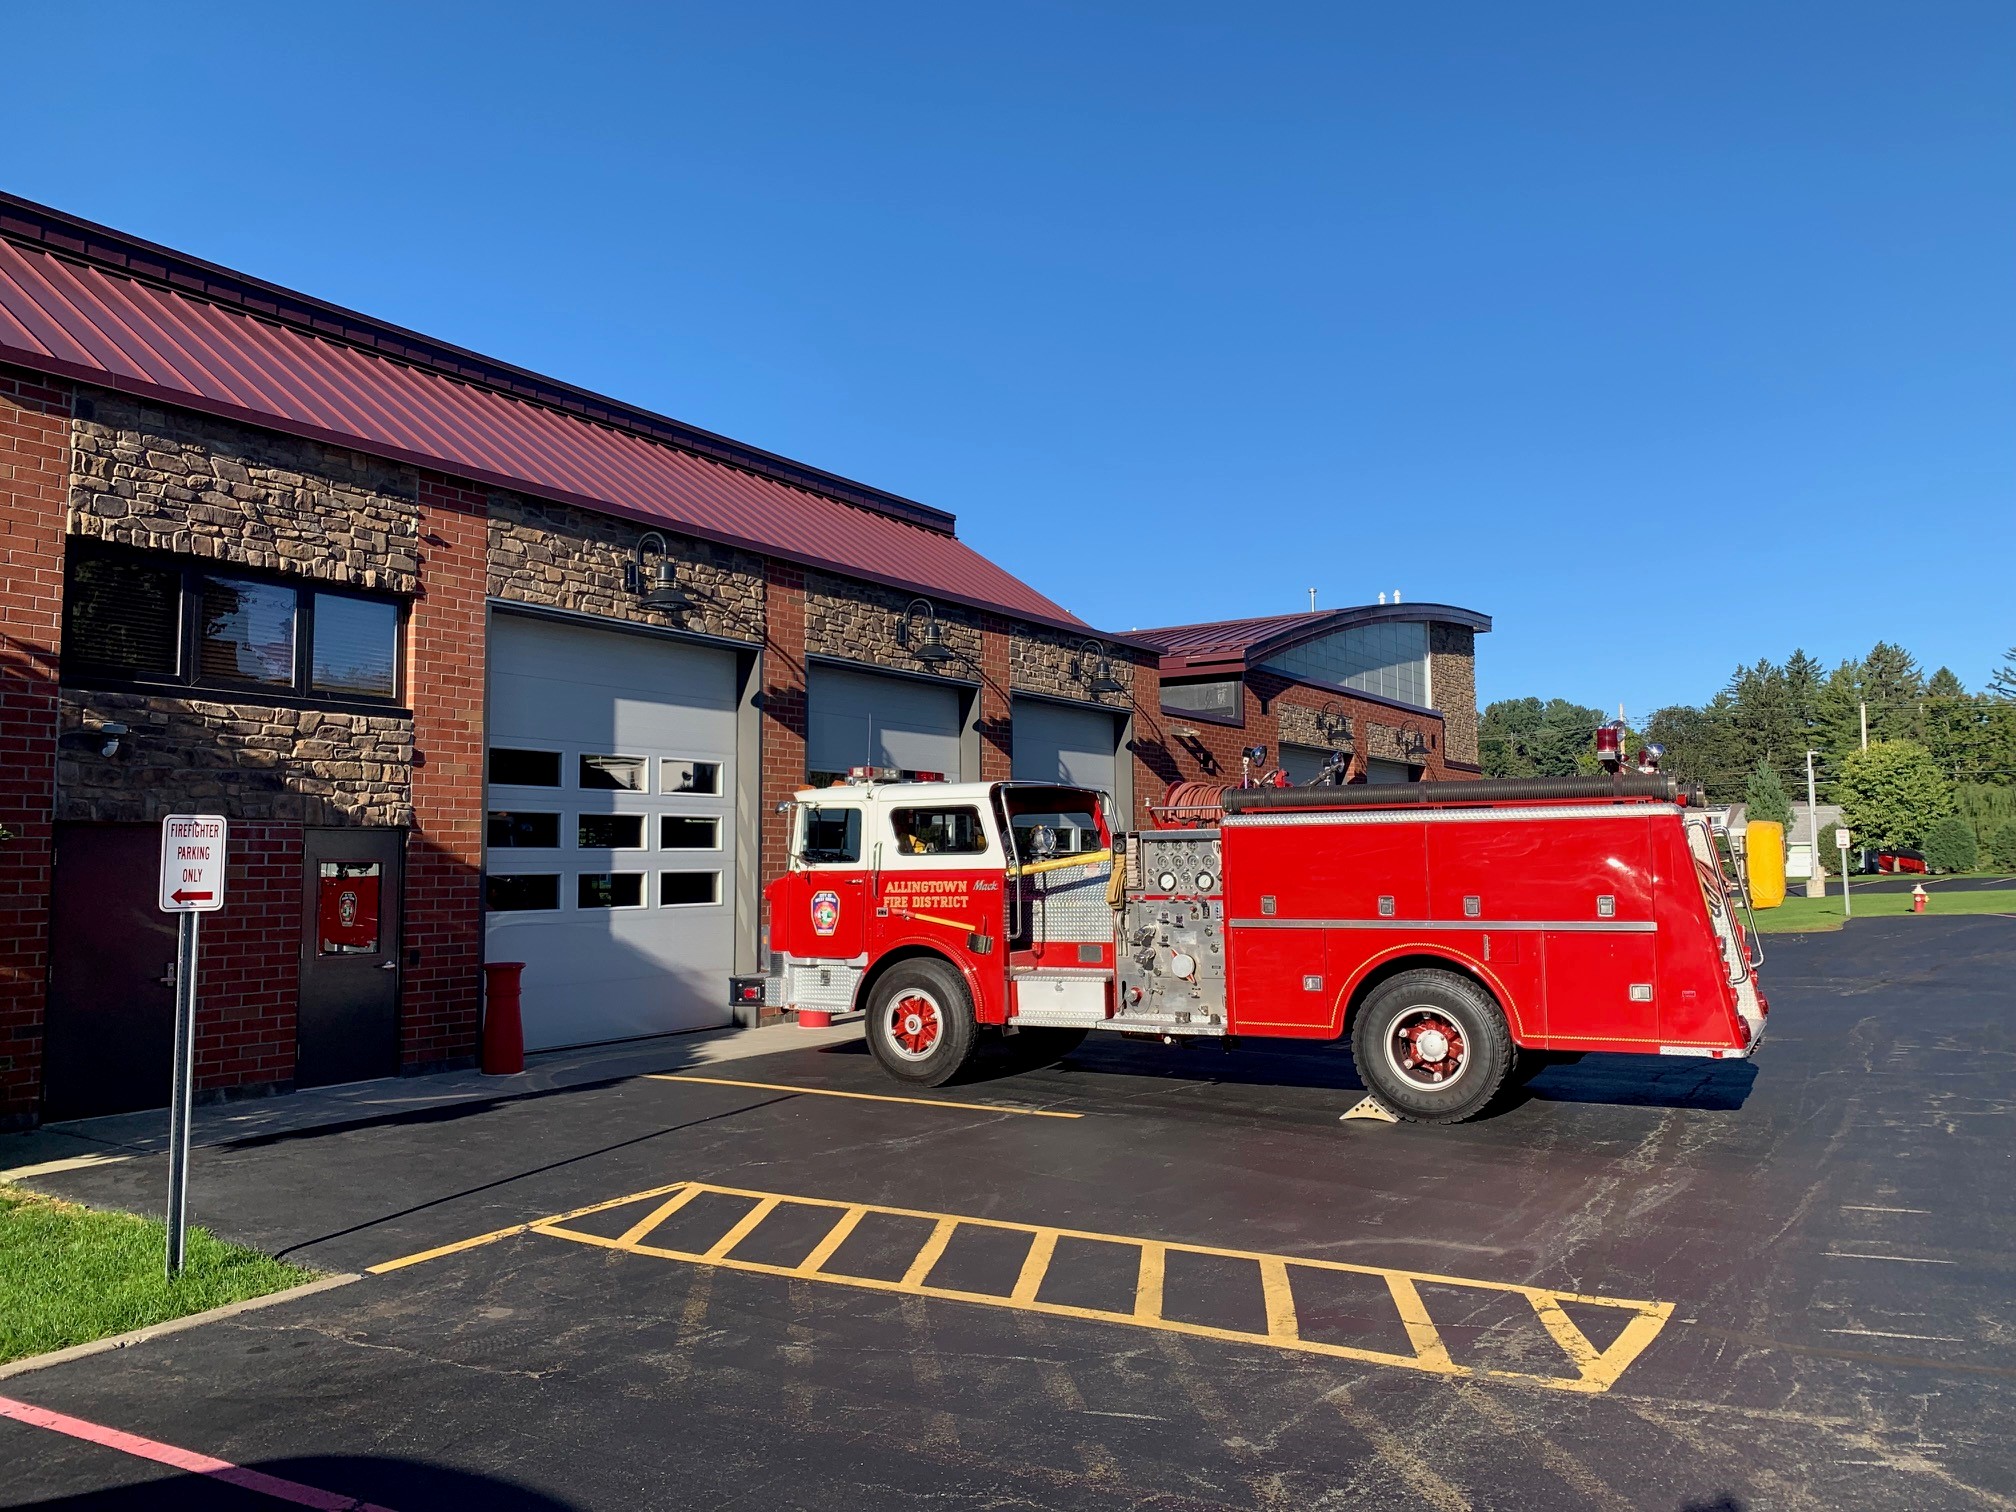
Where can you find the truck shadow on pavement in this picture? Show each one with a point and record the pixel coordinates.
(1635, 1081)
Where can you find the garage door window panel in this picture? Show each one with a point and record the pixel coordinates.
(516, 766)
(688, 832)
(699, 779)
(609, 832)
(522, 892)
(609, 890)
(514, 829)
(689, 889)
(622, 774)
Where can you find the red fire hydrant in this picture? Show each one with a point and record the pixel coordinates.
(503, 1028)
(1918, 898)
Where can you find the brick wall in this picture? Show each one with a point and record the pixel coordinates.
(248, 984)
(997, 739)
(784, 708)
(441, 1002)
(34, 422)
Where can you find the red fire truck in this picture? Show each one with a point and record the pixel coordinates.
(1459, 933)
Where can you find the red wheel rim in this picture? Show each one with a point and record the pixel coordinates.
(1427, 1048)
(915, 1025)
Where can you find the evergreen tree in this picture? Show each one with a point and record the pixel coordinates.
(2002, 682)
(1522, 737)
(1837, 718)
(1951, 725)
(1802, 692)
(1894, 688)
(1764, 796)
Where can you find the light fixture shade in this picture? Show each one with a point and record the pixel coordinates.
(665, 592)
(935, 650)
(1103, 681)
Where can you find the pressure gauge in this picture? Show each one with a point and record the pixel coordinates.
(1166, 882)
(1205, 881)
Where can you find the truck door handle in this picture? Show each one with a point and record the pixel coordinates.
(388, 966)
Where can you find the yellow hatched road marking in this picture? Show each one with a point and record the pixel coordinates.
(658, 1215)
(922, 1102)
(517, 1228)
(1594, 1370)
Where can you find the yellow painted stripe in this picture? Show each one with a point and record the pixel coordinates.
(836, 1236)
(1281, 1321)
(1421, 1331)
(1148, 1286)
(517, 1228)
(933, 1251)
(1042, 1249)
(659, 1214)
(744, 1227)
(921, 1102)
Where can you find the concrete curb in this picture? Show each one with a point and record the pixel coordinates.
(173, 1325)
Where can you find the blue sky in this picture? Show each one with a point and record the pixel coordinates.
(1670, 336)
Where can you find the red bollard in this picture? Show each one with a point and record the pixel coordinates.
(503, 1029)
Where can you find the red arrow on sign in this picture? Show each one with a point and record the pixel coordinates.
(180, 896)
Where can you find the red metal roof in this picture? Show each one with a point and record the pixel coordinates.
(109, 327)
(1245, 641)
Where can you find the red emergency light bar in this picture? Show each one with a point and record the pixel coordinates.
(890, 774)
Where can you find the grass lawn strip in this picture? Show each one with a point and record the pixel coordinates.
(69, 1275)
(1804, 915)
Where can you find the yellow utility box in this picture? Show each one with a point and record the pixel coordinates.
(1764, 862)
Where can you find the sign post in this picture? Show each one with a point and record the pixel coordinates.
(1841, 840)
(192, 883)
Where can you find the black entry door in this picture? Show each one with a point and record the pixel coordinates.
(109, 1034)
(348, 1029)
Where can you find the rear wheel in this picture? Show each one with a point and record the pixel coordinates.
(920, 1023)
(1432, 1046)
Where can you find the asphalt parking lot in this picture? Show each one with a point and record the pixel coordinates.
(1143, 1277)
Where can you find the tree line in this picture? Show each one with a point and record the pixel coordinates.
(1944, 750)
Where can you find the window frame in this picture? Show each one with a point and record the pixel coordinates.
(189, 573)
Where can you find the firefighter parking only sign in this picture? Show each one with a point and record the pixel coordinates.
(192, 863)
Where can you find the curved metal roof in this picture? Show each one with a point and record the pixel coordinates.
(1246, 642)
(82, 302)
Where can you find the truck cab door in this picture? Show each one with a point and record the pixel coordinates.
(821, 910)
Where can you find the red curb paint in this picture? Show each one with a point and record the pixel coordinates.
(183, 1459)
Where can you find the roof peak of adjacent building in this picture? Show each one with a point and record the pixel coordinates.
(58, 231)
(1261, 634)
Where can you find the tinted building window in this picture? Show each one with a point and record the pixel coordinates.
(125, 616)
(247, 632)
(356, 646)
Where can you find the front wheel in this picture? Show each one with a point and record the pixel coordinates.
(920, 1023)
(1432, 1046)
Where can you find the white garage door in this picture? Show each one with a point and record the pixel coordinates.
(610, 849)
(859, 719)
(1056, 743)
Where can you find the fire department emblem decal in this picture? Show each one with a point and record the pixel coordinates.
(346, 909)
(825, 912)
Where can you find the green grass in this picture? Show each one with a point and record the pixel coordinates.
(1803, 915)
(69, 1275)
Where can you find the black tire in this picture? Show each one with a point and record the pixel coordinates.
(1418, 1008)
(901, 1032)
(1043, 1047)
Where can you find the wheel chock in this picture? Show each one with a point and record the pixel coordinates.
(1370, 1107)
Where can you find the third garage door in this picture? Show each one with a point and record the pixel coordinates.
(611, 845)
(861, 719)
(1058, 743)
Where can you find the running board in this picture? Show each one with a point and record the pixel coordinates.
(1134, 1023)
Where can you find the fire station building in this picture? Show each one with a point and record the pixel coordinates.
(480, 665)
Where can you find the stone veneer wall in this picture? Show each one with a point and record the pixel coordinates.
(861, 622)
(251, 761)
(1452, 677)
(560, 557)
(170, 481)
(1052, 663)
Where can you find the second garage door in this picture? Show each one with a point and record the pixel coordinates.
(860, 719)
(610, 850)
(1057, 743)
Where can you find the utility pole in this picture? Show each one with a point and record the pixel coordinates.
(1816, 881)
(1865, 726)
